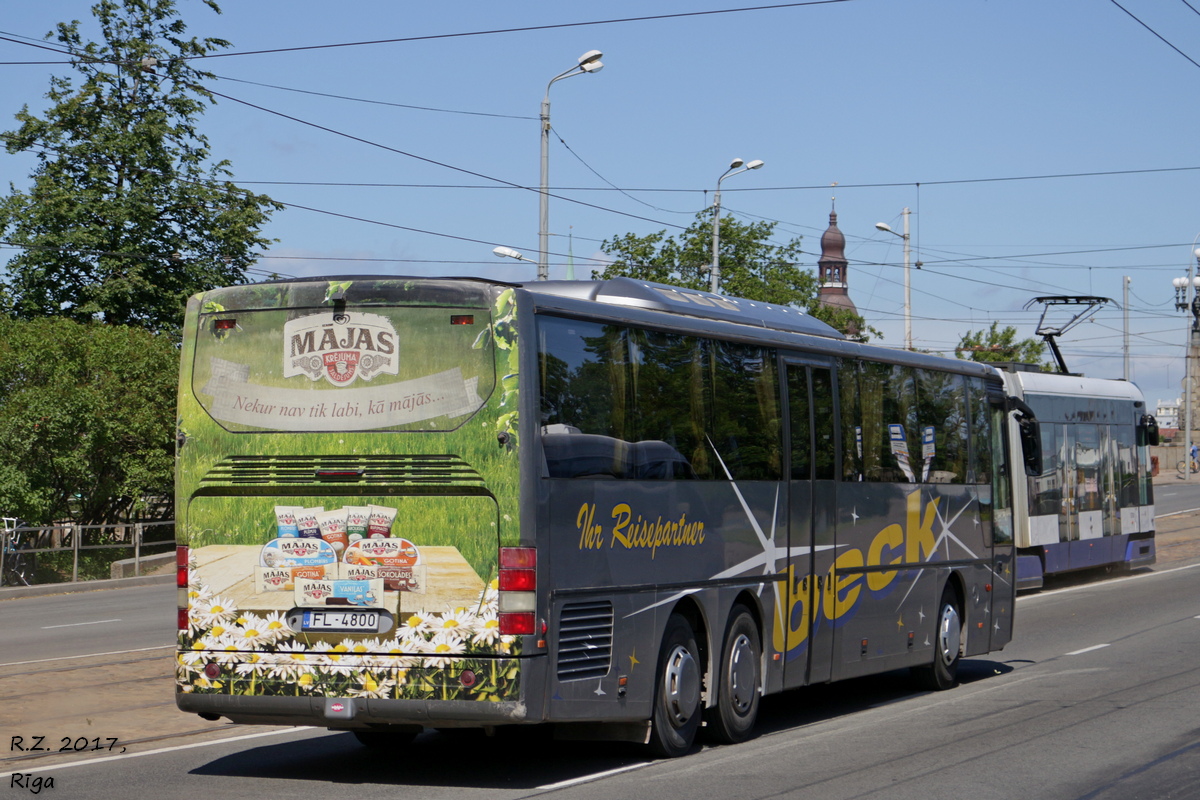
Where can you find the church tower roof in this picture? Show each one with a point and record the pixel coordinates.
(832, 269)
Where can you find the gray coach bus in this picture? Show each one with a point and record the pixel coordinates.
(618, 507)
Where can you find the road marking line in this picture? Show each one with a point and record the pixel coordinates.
(1177, 513)
(87, 655)
(77, 624)
(1086, 650)
(586, 778)
(88, 762)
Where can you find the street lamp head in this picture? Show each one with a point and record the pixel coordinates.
(1179, 283)
(590, 57)
(1196, 252)
(755, 164)
(505, 252)
(883, 226)
(737, 162)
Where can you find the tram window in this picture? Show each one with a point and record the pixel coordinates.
(1127, 477)
(1087, 467)
(1046, 489)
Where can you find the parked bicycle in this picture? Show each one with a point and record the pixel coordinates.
(18, 566)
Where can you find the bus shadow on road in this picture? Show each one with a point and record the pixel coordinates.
(821, 702)
(517, 758)
(529, 757)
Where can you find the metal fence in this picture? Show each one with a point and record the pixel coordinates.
(25, 548)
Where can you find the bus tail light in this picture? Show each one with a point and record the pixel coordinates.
(518, 591)
(181, 586)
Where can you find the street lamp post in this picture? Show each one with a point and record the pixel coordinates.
(883, 226)
(588, 62)
(1182, 287)
(735, 167)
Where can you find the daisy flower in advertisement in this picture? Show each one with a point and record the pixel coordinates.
(218, 610)
(291, 660)
(491, 593)
(365, 649)
(276, 627)
(193, 657)
(227, 651)
(334, 655)
(397, 653)
(487, 630)
(458, 622)
(417, 622)
(251, 633)
(201, 682)
(371, 686)
(251, 664)
(442, 648)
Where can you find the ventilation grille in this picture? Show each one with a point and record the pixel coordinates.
(382, 470)
(585, 641)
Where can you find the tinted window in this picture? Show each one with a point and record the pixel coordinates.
(634, 404)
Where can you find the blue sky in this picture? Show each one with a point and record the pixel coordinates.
(968, 112)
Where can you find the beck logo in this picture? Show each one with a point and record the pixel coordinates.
(340, 350)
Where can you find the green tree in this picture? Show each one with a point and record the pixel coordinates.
(999, 345)
(751, 266)
(86, 420)
(126, 216)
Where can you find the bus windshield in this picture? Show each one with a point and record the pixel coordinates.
(397, 363)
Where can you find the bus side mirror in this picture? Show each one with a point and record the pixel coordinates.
(1151, 426)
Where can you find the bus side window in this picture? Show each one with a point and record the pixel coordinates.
(825, 457)
(798, 416)
(851, 419)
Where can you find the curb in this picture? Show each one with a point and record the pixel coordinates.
(46, 589)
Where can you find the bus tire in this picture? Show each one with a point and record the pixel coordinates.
(677, 708)
(739, 684)
(391, 738)
(942, 672)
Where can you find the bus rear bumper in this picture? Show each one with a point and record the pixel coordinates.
(354, 712)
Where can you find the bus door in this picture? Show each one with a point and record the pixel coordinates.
(807, 644)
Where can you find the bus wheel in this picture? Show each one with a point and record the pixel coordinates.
(740, 683)
(942, 673)
(676, 691)
(387, 738)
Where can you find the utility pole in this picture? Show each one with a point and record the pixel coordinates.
(1125, 305)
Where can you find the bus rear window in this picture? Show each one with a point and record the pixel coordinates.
(399, 368)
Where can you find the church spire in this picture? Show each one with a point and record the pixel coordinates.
(832, 267)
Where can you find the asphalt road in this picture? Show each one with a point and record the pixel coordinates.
(1096, 698)
(56, 626)
(1174, 496)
